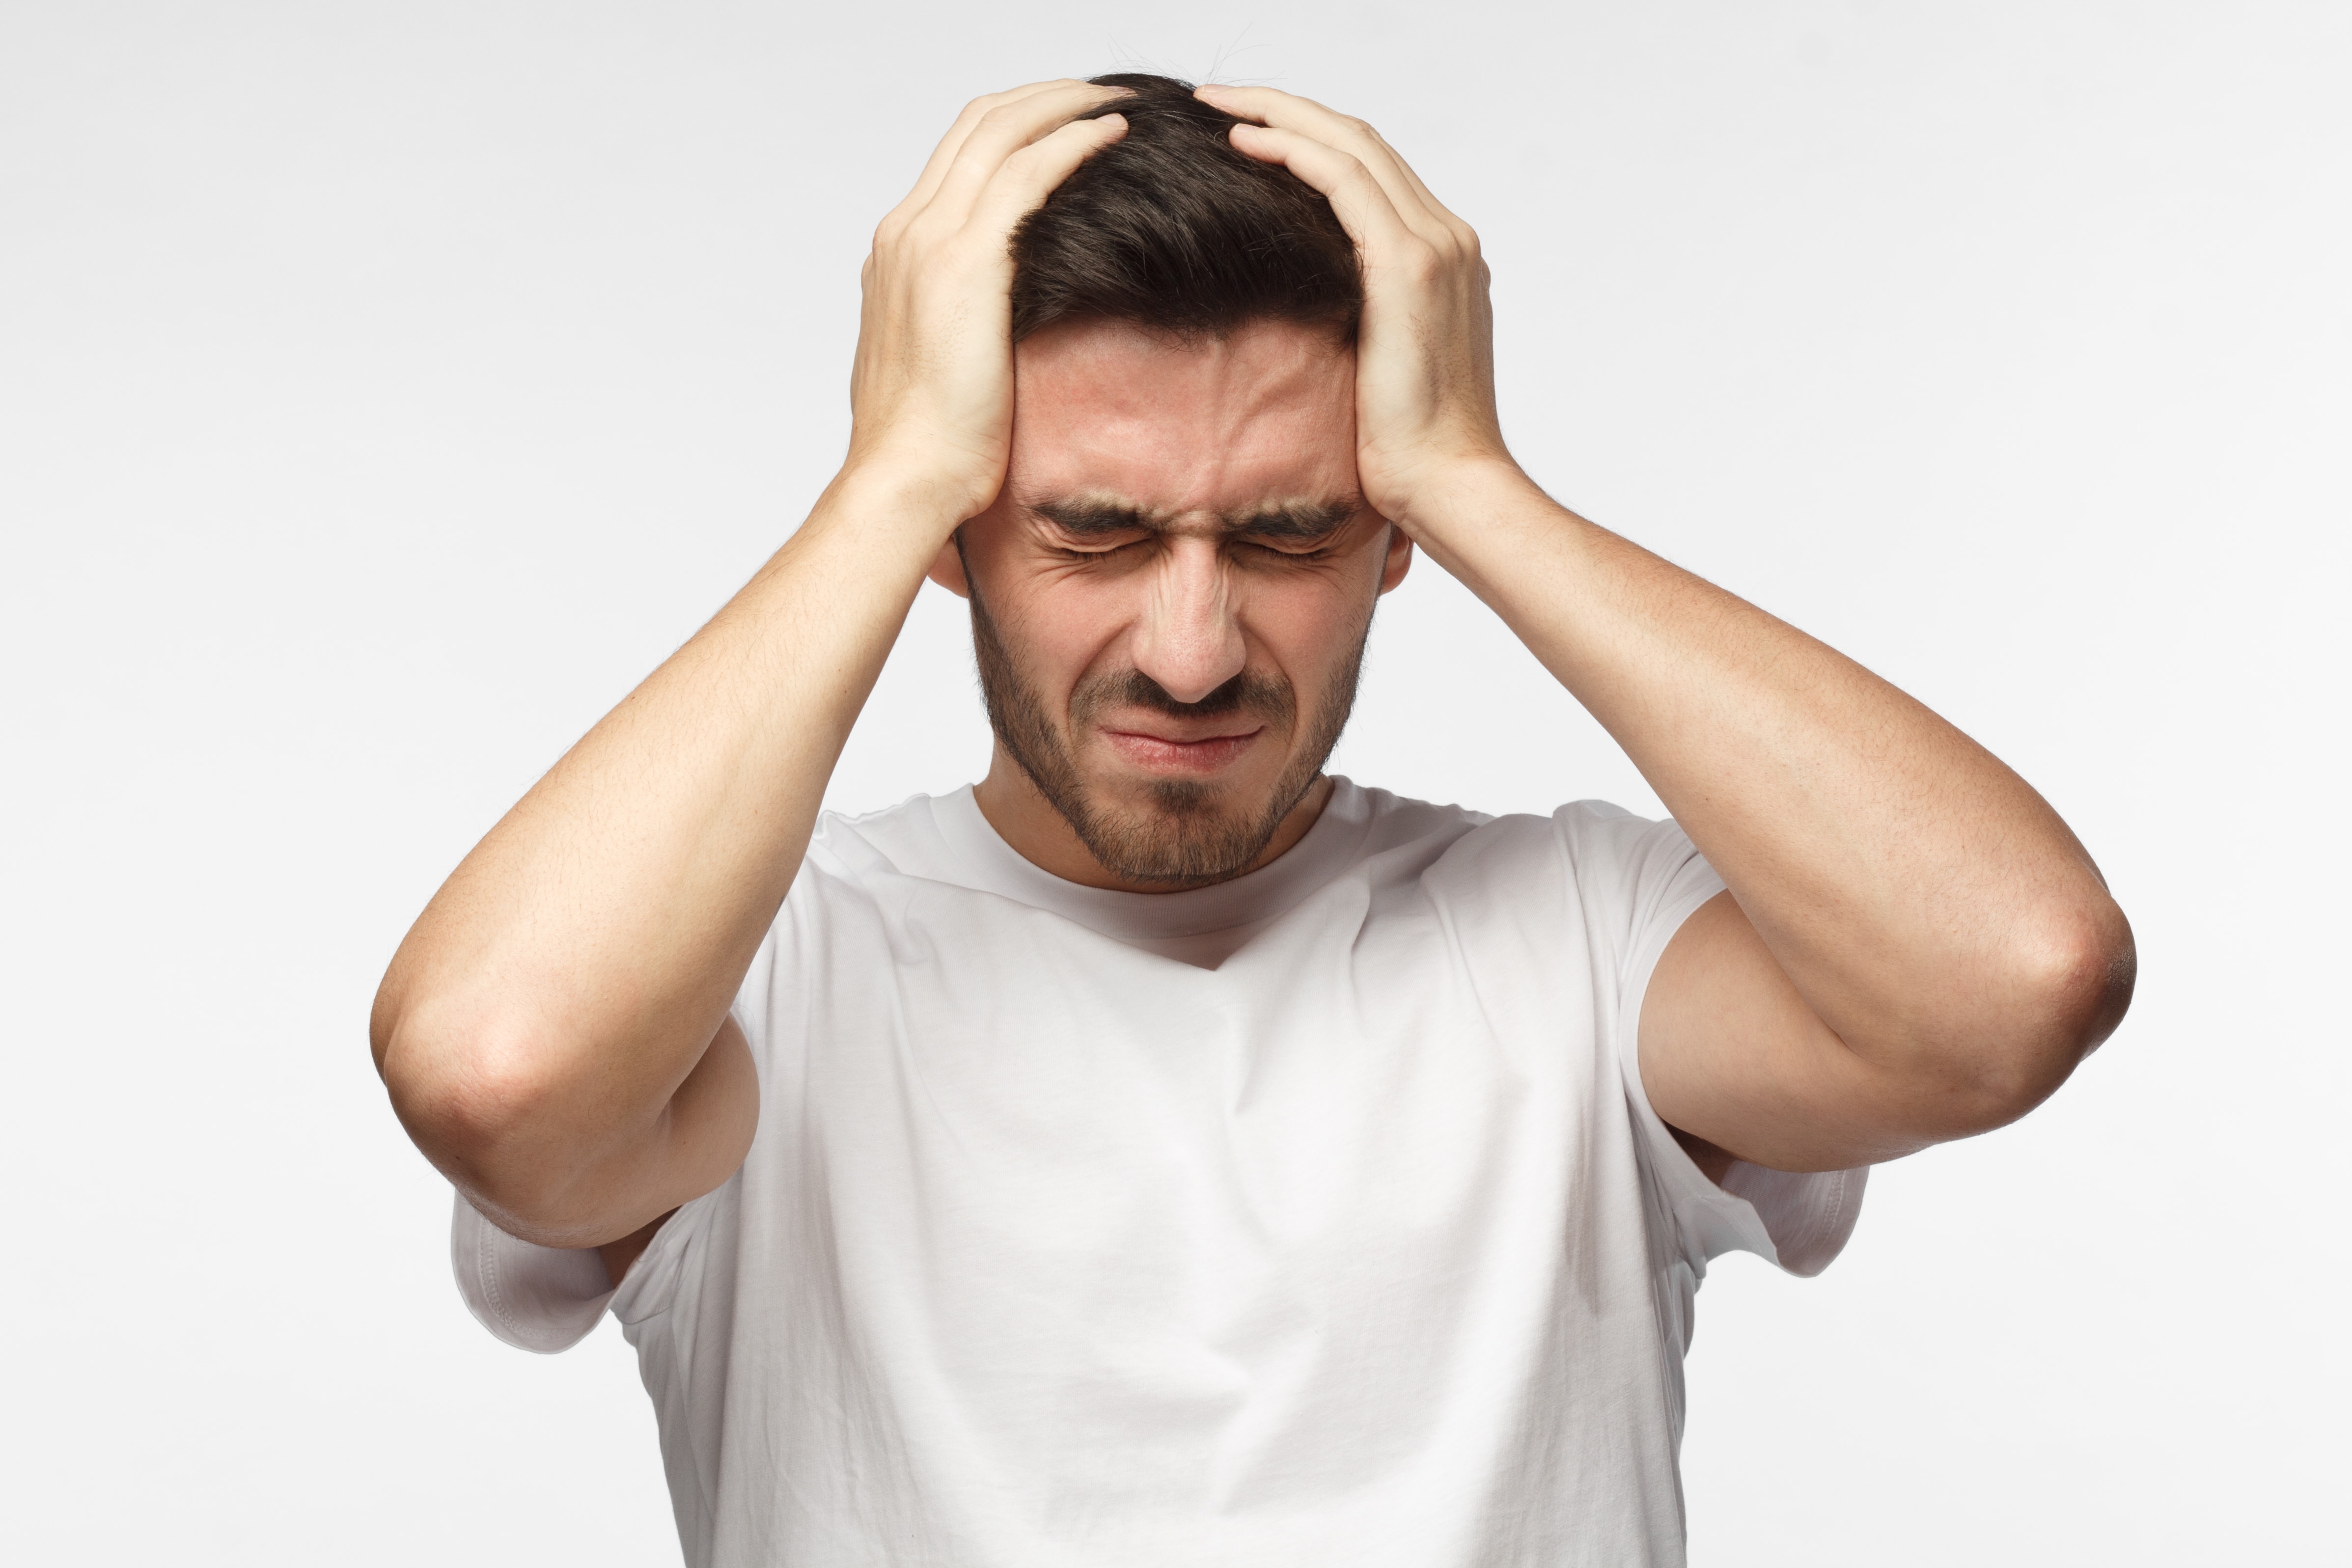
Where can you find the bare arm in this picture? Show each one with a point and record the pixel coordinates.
(1914, 947)
(553, 1030)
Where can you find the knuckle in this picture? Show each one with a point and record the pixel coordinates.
(1019, 165)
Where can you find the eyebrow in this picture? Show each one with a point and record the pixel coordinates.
(1090, 518)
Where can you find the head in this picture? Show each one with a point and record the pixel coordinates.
(1170, 595)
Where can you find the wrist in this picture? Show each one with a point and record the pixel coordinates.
(940, 463)
(885, 501)
(1446, 499)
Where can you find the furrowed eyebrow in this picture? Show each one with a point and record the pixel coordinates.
(1293, 520)
(1297, 519)
(1090, 519)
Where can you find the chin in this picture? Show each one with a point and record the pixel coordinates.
(1180, 831)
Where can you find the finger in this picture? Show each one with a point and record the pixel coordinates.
(1443, 213)
(1363, 205)
(944, 155)
(1006, 129)
(1287, 112)
(1026, 178)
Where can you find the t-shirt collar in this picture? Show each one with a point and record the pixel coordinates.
(994, 866)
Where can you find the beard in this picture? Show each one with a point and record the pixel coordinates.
(1191, 832)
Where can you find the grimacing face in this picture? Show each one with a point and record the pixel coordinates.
(1171, 593)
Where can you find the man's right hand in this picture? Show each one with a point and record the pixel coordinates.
(554, 1030)
(931, 392)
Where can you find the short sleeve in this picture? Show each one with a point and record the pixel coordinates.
(1657, 879)
(547, 1298)
(542, 1299)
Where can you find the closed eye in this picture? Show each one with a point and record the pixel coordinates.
(1089, 529)
(1293, 547)
(1088, 549)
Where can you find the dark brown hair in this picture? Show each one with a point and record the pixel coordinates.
(1170, 229)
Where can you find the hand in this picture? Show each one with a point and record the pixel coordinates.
(1426, 356)
(931, 392)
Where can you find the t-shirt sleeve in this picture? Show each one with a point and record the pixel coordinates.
(542, 1299)
(547, 1298)
(1657, 879)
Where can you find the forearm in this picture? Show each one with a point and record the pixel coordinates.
(554, 1028)
(1916, 946)
(1928, 905)
(543, 1013)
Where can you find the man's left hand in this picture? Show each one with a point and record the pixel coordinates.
(1425, 362)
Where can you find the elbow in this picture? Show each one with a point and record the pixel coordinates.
(478, 1104)
(2077, 970)
(462, 1100)
(2064, 986)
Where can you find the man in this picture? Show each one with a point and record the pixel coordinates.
(1164, 1153)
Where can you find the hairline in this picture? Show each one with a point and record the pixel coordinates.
(1337, 329)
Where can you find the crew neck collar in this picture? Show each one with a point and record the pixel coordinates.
(1322, 853)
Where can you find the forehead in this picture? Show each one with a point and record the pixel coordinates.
(1265, 415)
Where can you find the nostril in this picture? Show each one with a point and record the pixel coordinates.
(1192, 668)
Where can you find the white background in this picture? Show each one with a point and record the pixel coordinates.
(385, 388)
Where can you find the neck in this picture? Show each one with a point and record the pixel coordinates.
(1025, 820)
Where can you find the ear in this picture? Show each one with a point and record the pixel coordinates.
(946, 569)
(1399, 559)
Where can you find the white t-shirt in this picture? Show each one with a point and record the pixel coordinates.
(1315, 1217)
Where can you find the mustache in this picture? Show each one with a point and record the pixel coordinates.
(1268, 696)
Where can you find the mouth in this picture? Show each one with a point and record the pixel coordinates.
(1190, 756)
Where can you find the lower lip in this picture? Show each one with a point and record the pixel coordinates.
(1195, 757)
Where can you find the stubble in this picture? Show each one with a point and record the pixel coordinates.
(1192, 832)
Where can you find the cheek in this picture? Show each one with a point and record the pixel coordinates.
(1060, 626)
(1308, 625)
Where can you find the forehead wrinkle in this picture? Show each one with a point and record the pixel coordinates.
(1114, 382)
(1246, 423)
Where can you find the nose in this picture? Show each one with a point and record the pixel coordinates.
(1189, 638)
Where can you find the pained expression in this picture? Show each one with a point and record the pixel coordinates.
(1174, 587)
